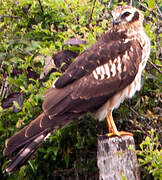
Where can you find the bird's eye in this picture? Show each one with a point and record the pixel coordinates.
(125, 15)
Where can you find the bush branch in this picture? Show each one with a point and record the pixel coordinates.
(41, 6)
(153, 65)
(90, 19)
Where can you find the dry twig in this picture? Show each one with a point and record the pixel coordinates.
(41, 6)
(7, 16)
(109, 4)
(90, 19)
(131, 2)
(153, 65)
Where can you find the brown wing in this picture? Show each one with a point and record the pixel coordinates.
(107, 48)
(93, 89)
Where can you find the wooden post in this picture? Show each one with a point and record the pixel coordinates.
(115, 160)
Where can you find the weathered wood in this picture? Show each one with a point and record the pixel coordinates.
(115, 159)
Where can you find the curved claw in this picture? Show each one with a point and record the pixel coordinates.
(112, 128)
(119, 134)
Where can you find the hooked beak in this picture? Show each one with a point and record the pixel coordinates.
(116, 21)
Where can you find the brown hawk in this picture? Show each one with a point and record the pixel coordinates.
(97, 82)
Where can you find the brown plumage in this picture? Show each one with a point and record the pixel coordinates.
(97, 82)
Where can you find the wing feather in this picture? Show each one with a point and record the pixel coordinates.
(89, 93)
(107, 48)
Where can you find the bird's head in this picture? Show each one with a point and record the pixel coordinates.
(127, 17)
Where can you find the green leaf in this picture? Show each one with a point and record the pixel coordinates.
(66, 158)
(1, 109)
(151, 3)
(16, 105)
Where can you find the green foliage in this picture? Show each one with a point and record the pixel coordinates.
(32, 29)
(150, 156)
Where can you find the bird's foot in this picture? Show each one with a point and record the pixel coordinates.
(119, 134)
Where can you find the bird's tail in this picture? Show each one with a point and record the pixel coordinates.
(24, 143)
(24, 154)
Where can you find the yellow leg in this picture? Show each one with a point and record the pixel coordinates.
(112, 127)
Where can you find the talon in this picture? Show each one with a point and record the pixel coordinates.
(112, 127)
(119, 134)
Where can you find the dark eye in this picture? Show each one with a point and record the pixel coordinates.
(125, 15)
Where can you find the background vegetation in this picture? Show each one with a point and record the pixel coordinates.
(34, 31)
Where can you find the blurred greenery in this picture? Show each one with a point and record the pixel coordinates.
(31, 30)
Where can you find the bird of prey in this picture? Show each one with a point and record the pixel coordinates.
(96, 82)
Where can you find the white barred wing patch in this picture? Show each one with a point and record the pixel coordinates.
(108, 70)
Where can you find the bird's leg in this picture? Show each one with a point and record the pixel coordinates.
(112, 127)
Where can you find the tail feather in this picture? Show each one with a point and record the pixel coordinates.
(26, 135)
(24, 154)
(24, 143)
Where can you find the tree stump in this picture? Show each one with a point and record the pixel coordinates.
(115, 160)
